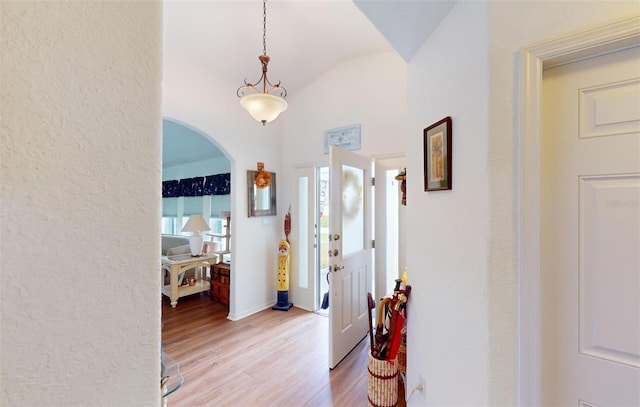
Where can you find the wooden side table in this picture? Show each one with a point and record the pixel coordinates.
(220, 280)
(179, 264)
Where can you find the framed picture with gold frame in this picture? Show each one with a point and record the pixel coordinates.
(438, 156)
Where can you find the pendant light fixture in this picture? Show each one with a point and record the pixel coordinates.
(267, 105)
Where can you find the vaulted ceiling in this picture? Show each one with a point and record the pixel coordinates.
(305, 39)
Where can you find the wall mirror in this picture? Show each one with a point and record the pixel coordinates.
(262, 201)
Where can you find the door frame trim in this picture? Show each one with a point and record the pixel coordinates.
(533, 59)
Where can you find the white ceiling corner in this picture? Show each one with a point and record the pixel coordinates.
(406, 24)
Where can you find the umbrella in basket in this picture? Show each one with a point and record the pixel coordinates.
(370, 305)
(397, 322)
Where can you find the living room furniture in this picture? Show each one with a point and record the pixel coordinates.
(225, 237)
(196, 224)
(172, 241)
(175, 265)
(220, 280)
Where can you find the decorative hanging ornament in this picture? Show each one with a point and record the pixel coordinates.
(402, 177)
(263, 178)
(287, 225)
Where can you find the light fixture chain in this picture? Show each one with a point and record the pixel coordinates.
(264, 27)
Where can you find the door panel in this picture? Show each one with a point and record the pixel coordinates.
(350, 231)
(352, 210)
(609, 224)
(303, 240)
(590, 194)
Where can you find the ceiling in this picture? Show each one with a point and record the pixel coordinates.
(305, 39)
(182, 144)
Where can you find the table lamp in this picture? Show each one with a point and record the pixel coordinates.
(196, 224)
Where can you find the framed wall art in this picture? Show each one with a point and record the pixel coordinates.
(438, 156)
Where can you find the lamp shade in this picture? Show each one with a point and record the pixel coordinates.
(196, 223)
(263, 107)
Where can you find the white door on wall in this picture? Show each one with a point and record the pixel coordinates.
(350, 220)
(590, 211)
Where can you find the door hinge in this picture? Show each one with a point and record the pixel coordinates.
(373, 244)
(373, 181)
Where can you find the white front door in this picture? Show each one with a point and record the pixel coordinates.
(590, 232)
(351, 257)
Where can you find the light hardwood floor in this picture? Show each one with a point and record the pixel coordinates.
(271, 358)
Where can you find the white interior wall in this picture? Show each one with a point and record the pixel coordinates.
(369, 90)
(80, 177)
(448, 347)
(197, 97)
(447, 232)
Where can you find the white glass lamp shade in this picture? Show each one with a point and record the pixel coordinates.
(196, 224)
(263, 107)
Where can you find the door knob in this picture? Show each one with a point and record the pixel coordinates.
(335, 252)
(336, 237)
(336, 268)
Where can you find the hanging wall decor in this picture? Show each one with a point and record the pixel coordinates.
(346, 138)
(402, 177)
(262, 178)
(438, 156)
(261, 190)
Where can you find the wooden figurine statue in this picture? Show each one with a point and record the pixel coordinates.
(402, 177)
(283, 277)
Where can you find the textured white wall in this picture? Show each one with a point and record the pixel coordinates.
(369, 90)
(80, 179)
(463, 316)
(448, 230)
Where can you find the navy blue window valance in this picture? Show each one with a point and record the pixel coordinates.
(216, 184)
(219, 184)
(171, 189)
(191, 186)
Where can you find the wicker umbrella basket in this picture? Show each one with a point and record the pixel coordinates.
(402, 355)
(383, 383)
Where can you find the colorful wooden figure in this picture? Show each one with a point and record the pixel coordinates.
(283, 277)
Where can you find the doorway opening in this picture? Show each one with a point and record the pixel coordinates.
(390, 220)
(617, 35)
(313, 259)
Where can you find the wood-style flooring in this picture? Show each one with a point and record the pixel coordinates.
(272, 358)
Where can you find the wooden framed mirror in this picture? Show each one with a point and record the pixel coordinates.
(261, 201)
